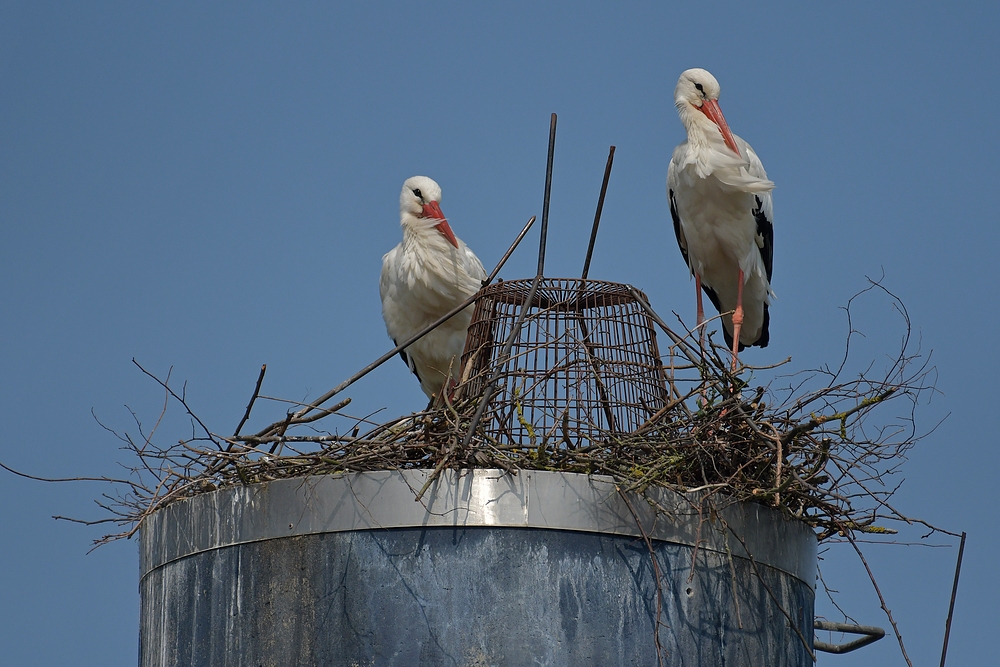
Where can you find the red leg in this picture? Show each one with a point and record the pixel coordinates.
(701, 312)
(737, 320)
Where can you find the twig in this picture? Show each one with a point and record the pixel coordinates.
(684, 348)
(256, 391)
(179, 399)
(878, 591)
(951, 605)
(597, 215)
(63, 479)
(840, 416)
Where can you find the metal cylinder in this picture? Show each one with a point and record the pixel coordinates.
(538, 568)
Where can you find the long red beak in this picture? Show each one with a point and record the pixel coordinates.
(433, 211)
(711, 109)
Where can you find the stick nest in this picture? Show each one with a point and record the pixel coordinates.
(808, 444)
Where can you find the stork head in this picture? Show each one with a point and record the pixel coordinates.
(420, 199)
(697, 90)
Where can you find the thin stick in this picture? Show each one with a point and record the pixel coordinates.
(402, 346)
(510, 251)
(63, 479)
(878, 591)
(597, 216)
(548, 191)
(954, 592)
(180, 399)
(584, 329)
(516, 330)
(256, 392)
(325, 412)
(678, 341)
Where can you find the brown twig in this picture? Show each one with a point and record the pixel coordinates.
(881, 599)
(951, 605)
(256, 392)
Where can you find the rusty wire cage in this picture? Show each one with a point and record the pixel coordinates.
(585, 360)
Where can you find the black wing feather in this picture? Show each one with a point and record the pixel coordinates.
(765, 336)
(406, 360)
(681, 241)
(766, 231)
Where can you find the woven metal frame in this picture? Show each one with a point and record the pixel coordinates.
(585, 360)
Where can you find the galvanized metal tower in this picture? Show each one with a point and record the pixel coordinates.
(490, 569)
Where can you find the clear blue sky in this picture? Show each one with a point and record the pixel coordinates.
(210, 188)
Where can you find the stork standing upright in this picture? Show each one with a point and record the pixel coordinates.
(720, 201)
(430, 272)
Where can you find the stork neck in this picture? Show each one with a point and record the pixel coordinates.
(423, 233)
(702, 133)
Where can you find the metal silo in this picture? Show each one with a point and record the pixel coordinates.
(538, 568)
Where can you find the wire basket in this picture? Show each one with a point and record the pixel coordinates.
(584, 362)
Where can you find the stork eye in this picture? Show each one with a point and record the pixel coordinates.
(701, 88)
(416, 191)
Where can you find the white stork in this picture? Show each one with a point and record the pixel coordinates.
(430, 272)
(720, 201)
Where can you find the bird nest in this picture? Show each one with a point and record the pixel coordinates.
(583, 388)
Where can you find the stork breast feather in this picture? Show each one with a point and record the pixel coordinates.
(740, 179)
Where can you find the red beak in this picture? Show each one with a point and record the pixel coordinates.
(433, 211)
(711, 109)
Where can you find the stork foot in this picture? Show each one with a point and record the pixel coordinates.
(737, 325)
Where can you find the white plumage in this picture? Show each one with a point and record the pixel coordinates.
(720, 201)
(430, 272)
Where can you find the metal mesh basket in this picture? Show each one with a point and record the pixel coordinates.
(585, 361)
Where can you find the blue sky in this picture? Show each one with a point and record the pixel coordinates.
(211, 187)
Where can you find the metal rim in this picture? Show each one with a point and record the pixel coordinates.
(469, 499)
